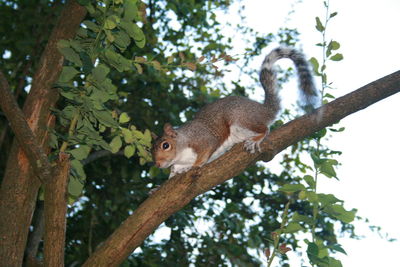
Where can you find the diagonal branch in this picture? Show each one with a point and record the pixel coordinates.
(181, 189)
(26, 138)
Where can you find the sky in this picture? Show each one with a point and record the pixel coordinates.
(368, 32)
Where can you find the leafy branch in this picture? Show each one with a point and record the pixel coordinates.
(88, 92)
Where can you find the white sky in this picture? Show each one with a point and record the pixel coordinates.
(369, 34)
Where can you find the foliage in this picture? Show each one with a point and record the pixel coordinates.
(131, 68)
(324, 206)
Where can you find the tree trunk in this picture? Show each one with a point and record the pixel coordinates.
(55, 212)
(19, 187)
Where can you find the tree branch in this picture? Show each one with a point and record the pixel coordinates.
(55, 211)
(27, 140)
(35, 236)
(174, 194)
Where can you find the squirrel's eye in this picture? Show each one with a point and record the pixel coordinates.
(165, 145)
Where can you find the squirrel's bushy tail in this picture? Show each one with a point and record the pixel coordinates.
(268, 78)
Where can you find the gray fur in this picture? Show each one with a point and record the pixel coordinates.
(309, 93)
(230, 120)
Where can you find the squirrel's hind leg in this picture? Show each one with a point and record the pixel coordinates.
(253, 143)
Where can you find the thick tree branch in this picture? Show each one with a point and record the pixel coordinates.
(19, 188)
(26, 139)
(55, 212)
(174, 194)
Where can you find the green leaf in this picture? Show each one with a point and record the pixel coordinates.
(81, 152)
(105, 117)
(293, 227)
(323, 252)
(131, 10)
(302, 195)
(316, 159)
(71, 55)
(98, 97)
(334, 262)
(143, 153)
(110, 36)
(288, 188)
(116, 144)
(53, 141)
(87, 64)
(122, 40)
(129, 151)
(69, 112)
(327, 95)
(312, 249)
(111, 22)
(333, 45)
(312, 196)
(338, 248)
(315, 64)
(117, 61)
(328, 199)
(67, 74)
(134, 32)
(313, 253)
(170, 60)
(63, 43)
(326, 167)
(91, 25)
(336, 57)
(341, 129)
(77, 169)
(124, 117)
(128, 136)
(138, 134)
(110, 88)
(301, 218)
(75, 187)
(138, 68)
(338, 212)
(318, 25)
(100, 72)
(309, 180)
(147, 138)
(333, 14)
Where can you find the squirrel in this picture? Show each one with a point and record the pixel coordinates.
(230, 120)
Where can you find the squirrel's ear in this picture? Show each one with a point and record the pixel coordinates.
(168, 130)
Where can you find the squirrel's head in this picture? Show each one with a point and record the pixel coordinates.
(164, 148)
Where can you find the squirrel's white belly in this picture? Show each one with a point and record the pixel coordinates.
(183, 161)
(237, 134)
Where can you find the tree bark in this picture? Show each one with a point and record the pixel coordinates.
(26, 139)
(55, 212)
(35, 236)
(174, 194)
(19, 186)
